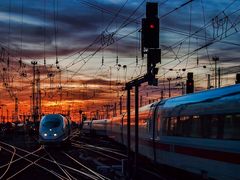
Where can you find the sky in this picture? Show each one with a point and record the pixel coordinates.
(87, 50)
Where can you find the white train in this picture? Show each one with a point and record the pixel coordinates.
(54, 129)
(95, 127)
(199, 132)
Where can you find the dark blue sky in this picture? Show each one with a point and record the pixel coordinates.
(78, 23)
(199, 30)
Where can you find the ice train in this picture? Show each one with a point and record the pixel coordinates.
(198, 132)
(54, 129)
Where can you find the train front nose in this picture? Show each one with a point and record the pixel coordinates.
(50, 130)
(51, 134)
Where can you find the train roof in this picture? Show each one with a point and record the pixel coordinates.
(207, 95)
(51, 116)
(210, 101)
(146, 107)
(100, 121)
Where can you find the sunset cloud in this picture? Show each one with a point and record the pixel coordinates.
(92, 48)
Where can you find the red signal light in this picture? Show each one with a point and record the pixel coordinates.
(190, 84)
(152, 26)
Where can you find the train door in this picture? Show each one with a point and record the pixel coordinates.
(150, 123)
(154, 131)
(157, 124)
(156, 118)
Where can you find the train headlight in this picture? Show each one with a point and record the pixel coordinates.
(55, 134)
(45, 134)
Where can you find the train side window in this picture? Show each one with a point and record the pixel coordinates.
(149, 125)
(214, 127)
(183, 126)
(232, 127)
(180, 126)
(220, 127)
(164, 126)
(149, 122)
(205, 126)
(186, 125)
(158, 124)
(172, 125)
(196, 126)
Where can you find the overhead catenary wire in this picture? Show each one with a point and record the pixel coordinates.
(197, 31)
(124, 25)
(204, 27)
(44, 33)
(204, 46)
(97, 39)
(177, 51)
(74, 63)
(55, 18)
(190, 30)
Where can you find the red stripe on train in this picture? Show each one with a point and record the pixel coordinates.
(197, 152)
(209, 154)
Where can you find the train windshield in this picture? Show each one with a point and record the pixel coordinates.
(53, 123)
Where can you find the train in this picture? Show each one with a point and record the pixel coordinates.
(54, 129)
(95, 127)
(198, 132)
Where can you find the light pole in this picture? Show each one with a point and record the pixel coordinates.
(2, 113)
(169, 89)
(215, 59)
(2, 117)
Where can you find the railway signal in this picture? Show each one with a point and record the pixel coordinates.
(150, 41)
(189, 83)
(153, 57)
(149, 46)
(150, 32)
(150, 27)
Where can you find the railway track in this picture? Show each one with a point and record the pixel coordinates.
(110, 154)
(22, 161)
(93, 158)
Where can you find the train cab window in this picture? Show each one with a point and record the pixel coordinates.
(232, 127)
(52, 124)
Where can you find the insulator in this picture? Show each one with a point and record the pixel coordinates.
(20, 62)
(8, 62)
(102, 61)
(117, 60)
